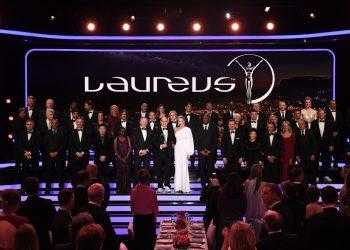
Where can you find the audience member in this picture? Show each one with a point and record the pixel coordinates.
(91, 237)
(10, 203)
(7, 235)
(313, 207)
(26, 238)
(239, 237)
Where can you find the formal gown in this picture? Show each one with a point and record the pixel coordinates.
(184, 147)
(288, 154)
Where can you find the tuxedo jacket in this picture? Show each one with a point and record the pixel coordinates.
(32, 145)
(159, 139)
(326, 140)
(231, 149)
(93, 117)
(305, 145)
(338, 123)
(138, 141)
(273, 149)
(103, 146)
(75, 145)
(207, 139)
(214, 118)
(228, 115)
(260, 128)
(137, 116)
(35, 115)
(156, 126)
(288, 116)
(55, 141)
(129, 127)
(194, 121)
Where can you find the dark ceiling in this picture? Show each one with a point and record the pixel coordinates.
(71, 16)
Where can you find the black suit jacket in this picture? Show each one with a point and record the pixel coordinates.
(288, 116)
(260, 128)
(207, 139)
(55, 142)
(338, 123)
(139, 142)
(159, 138)
(32, 145)
(93, 117)
(137, 116)
(194, 121)
(40, 212)
(232, 150)
(35, 115)
(275, 148)
(103, 147)
(129, 127)
(61, 227)
(79, 146)
(323, 142)
(101, 217)
(305, 146)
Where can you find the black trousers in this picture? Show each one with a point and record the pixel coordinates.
(145, 231)
(325, 157)
(140, 162)
(206, 167)
(231, 165)
(165, 164)
(272, 171)
(310, 169)
(29, 167)
(103, 167)
(54, 169)
(78, 163)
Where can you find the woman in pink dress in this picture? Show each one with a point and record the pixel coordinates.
(288, 145)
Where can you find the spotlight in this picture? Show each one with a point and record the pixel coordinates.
(312, 15)
(8, 101)
(270, 26)
(11, 118)
(235, 26)
(10, 136)
(91, 27)
(126, 27)
(52, 18)
(160, 27)
(132, 18)
(228, 15)
(196, 27)
(267, 9)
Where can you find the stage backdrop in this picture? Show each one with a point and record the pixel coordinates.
(174, 76)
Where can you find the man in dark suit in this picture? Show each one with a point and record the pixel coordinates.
(39, 211)
(80, 182)
(213, 116)
(32, 111)
(207, 146)
(28, 144)
(231, 112)
(276, 238)
(143, 113)
(124, 122)
(164, 141)
(153, 124)
(90, 114)
(96, 197)
(323, 131)
(49, 105)
(45, 123)
(79, 144)
(62, 223)
(103, 145)
(330, 228)
(54, 145)
(142, 141)
(294, 122)
(272, 151)
(283, 114)
(305, 151)
(254, 122)
(231, 147)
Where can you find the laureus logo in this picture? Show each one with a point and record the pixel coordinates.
(249, 63)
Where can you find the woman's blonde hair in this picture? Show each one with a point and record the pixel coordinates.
(242, 237)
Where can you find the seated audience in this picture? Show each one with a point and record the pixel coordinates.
(91, 237)
(39, 211)
(312, 207)
(79, 183)
(7, 235)
(10, 203)
(26, 238)
(239, 237)
(93, 174)
(144, 207)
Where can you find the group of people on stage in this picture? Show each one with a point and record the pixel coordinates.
(276, 137)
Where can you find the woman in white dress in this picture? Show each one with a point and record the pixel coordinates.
(184, 148)
(308, 113)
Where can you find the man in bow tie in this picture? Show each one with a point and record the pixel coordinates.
(231, 147)
(164, 141)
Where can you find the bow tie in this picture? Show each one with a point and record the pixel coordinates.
(164, 129)
(29, 133)
(80, 130)
(232, 132)
(253, 122)
(272, 133)
(143, 128)
(90, 112)
(322, 121)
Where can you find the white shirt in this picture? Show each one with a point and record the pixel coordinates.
(321, 127)
(151, 124)
(334, 114)
(123, 123)
(74, 125)
(165, 134)
(188, 117)
(283, 114)
(144, 134)
(232, 135)
(271, 138)
(90, 114)
(30, 113)
(205, 126)
(29, 135)
(174, 125)
(143, 114)
(80, 135)
(254, 124)
(48, 124)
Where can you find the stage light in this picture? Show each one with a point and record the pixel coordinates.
(235, 26)
(160, 27)
(132, 18)
(270, 26)
(228, 15)
(196, 27)
(11, 118)
(10, 136)
(126, 27)
(52, 18)
(8, 100)
(267, 9)
(312, 15)
(91, 27)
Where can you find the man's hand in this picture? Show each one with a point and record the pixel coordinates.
(312, 157)
(103, 158)
(53, 154)
(225, 160)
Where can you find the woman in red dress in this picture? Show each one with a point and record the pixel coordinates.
(288, 146)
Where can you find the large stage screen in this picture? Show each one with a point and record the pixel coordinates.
(175, 76)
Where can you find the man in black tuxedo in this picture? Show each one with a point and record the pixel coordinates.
(142, 147)
(79, 144)
(213, 116)
(336, 119)
(124, 122)
(28, 144)
(39, 211)
(254, 122)
(231, 141)
(62, 223)
(54, 152)
(283, 114)
(231, 112)
(45, 124)
(330, 228)
(32, 111)
(103, 145)
(192, 121)
(323, 131)
(272, 151)
(173, 119)
(90, 114)
(96, 197)
(294, 122)
(305, 151)
(164, 141)
(49, 105)
(143, 113)
(207, 146)
(153, 124)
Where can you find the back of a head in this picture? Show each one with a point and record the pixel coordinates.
(274, 189)
(329, 195)
(143, 176)
(92, 171)
(7, 235)
(26, 238)
(90, 237)
(242, 237)
(10, 199)
(65, 196)
(80, 178)
(313, 194)
(273, 221)
(292, 191)
(31, 185)
(80, 220)
(233, 186)
(96, 193)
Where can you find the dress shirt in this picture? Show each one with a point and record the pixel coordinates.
(90, 114)
(144, 133)
(80, 135)
(30, 113)
(321, 127)
(174, 124)
(165, 134)
(151, 124)
(232, 135)
(123, 123)
(271, 138)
